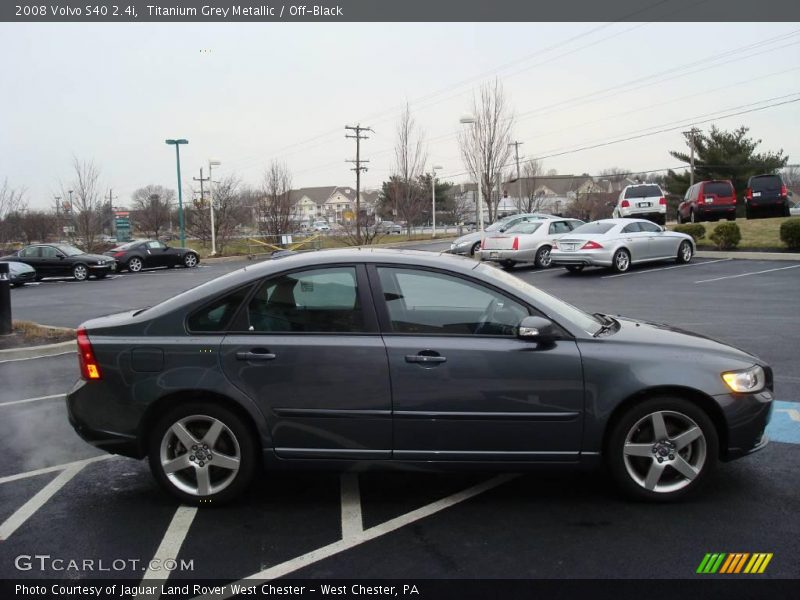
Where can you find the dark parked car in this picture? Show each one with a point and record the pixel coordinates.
(19, 273)
(146, 254)
(766, 196)
(407, 358)
(708, 201)
(63, 260)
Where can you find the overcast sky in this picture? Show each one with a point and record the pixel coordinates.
(247, 93)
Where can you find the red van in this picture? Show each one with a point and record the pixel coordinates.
(708, 201)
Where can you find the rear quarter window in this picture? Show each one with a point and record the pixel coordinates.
(218, 314)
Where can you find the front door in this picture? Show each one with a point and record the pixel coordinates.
(464, 387)
(637, 241)
(309, 353)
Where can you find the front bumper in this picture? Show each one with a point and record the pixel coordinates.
(109, 267)
(461, 249)
(746, 417)
(587, 259)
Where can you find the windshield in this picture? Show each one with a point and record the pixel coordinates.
(553, 307)
(529, 227)
(643, 191)
(69, 250)
(596, 227)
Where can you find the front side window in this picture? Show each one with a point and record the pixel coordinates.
(631, 228)
(649, 227)
(428, 302)
(313, 301)
(69, 250)
(48, 252)
(155, 245)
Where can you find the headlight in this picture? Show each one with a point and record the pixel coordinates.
(747, 380)
(464, 243)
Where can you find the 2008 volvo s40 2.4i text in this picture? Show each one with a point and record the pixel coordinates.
(349, 358)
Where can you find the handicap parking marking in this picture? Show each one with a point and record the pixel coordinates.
(785, 423)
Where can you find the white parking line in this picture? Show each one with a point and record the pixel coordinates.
(54, 396)
(695, 264)
(171, 542)
(747, 274)
(27, 510)
(42, 471)
(352, 523)
(9, 360)
(368, 534)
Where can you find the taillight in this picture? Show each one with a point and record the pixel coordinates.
(748, 193)
(515, 245)
(625, 204)
(662, 201)
(784, 191)
(119, 254)
(591, 246)
(88, 363)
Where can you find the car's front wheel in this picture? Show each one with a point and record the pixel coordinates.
(475, 247)
(621, 261)
(662, 449)
(202, 453)
(190, 260)
(684, 253)
(542, 259)
(80, 272)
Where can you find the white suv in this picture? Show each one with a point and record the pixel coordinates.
(642, 201)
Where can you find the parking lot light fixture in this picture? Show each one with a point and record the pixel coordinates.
(177, 143)
(468, 119)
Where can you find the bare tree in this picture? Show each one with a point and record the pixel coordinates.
(275, 205)
(12, 203)
(486, 146)
(791, 177)
(410, 157)
(37, 225)
(532, 201)
(230, 209)
(151, 205)
(86, 205)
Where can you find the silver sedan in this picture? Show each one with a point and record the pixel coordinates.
(470, 243)
(526, 242)
(620, 243)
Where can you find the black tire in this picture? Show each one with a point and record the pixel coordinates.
(18, 284)
(190, 260)
(508, 264)
(134, 264)
(678, 218)
(475, 247)
(542, 260)
(236, 438)
(621, 262)
(748, 214)
(574, 268)
(637, 426)
(38, 278)
(685, 253)
(80, 272)
(733, 218)
(693, 217)
(786, 211)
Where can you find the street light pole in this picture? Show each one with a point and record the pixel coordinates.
(212, 163)
(177, 144)
(433, 197)
(471, 120)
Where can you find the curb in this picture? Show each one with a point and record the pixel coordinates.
(748, 255)
(223, 259)
(38, 351)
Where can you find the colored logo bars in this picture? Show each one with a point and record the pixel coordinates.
(738, 562)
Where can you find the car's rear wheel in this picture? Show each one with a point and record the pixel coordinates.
(202, 454)
(786, 211)
(190, 260)
(80, 272)
(134, 264)
(662, 449)
(621, 261)
(474, 248)
(678, 218)
(574, 268)
(508, 264)
(748, 214)
(685, 253)
(543, 259)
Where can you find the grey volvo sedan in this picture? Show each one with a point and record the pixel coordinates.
(353, 358)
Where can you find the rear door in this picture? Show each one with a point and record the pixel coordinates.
(306, 348)
(464, 387)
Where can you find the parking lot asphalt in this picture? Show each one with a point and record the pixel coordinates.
(60, 496)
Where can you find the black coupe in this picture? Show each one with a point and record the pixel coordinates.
(145, 254)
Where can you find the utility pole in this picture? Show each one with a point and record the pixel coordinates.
(358, 168)
(111, 198)
(212, 163)
(690, 135)
(519, 181)
(203, 199)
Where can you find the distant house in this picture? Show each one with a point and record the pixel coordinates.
(334, 203)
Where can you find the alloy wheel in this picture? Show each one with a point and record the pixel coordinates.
(135, 265)
(664, 451)
(686, 252)
(80, 272)
(190, 260)
(543, 257)
(622, 261)
(200, 455)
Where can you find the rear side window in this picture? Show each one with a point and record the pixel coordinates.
(560, 227)
(31, 252)
(314, 301)
(718, 188)
(218, 315)
(766, 183)
(643, 191)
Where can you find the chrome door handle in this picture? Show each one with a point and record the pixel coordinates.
(255, 356)
(423, 358)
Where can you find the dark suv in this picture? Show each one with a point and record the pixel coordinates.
(766, 196)
(708, 201)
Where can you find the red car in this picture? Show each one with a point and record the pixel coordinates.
(708, 201)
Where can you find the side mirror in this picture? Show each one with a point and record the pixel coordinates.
(537, 329)
(61, 256)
